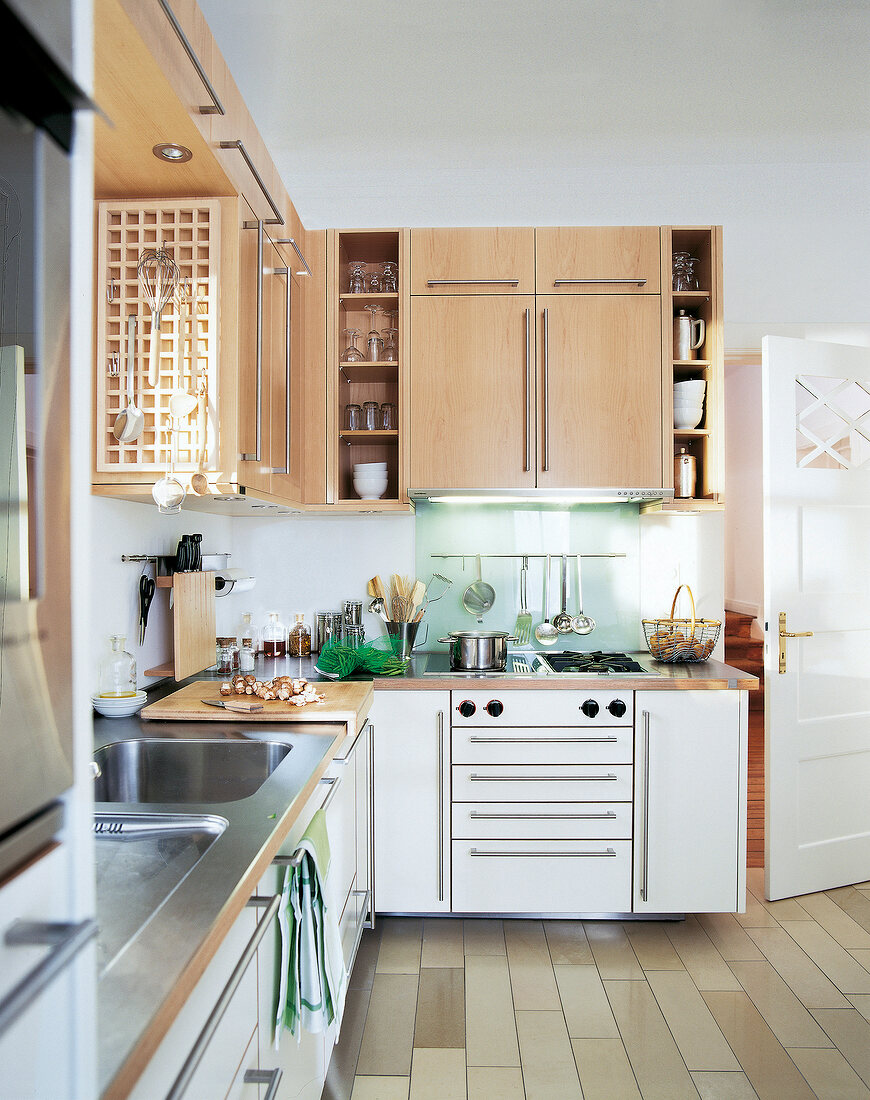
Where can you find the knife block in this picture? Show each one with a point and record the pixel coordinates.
(193, 624)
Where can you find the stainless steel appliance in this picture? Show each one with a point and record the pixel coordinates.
(535, 665)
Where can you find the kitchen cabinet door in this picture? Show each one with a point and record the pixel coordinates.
(254, 467)
(472, 392)
(473, 261)
(607, 259)
(690, 801)
(412, 801)
(600, 391)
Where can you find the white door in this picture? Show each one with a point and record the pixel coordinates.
(816, 413)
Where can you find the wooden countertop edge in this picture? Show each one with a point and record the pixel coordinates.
(142, 1053)
(745, 682)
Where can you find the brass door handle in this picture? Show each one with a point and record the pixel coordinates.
(783, 634)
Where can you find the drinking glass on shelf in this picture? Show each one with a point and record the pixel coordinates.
(390, 353)
(390, 277)
(351, 353)
(353, 418)
(356, 270)
(371, 415)
(374, 341)
(373, 281)
(389, 418)
(684, 273)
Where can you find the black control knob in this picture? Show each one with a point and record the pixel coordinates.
(590, 708)
(617, 708)
(494, 708)
(466, 708)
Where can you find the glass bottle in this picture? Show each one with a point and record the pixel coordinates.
(117, 670)
(274, 637)
(299, 641)
(247, 632)
(246, 657)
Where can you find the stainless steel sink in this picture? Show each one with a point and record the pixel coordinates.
(171, 770)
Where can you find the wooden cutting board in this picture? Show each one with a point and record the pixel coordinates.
(343, 702)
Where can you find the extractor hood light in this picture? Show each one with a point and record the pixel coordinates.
(603, 495)
(169, 151)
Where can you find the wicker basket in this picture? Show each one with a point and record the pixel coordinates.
(676, 640)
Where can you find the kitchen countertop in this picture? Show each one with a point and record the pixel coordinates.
(144, 987)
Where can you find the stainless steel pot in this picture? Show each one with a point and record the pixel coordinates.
(478, 650)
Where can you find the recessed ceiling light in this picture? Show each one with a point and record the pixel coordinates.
(175, 154)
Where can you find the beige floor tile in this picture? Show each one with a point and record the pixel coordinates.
(728, 937)
(490, 1027)
(400, 946)
(861, 1001)
(532, 979)
(584, 1003)
(440, 1008)
(783, 1013)
(771, 1072)
(491, 1083)
(567, 942)
(854, 903)
(866, 893)
(847, 932)
(605, 1071)
(438, 1075)
(707, 967)
(724, 1086)
(660, 1071)
(862, 955)
(650, 943)
(614, 956)
(695, 1032)
(756, 916)
(847, 974)
(787, 909)
(380, 1088)
(800, 973)
(549, 1072)
(389, 1032)
(851, 1034)
(829, 1074)
(442, 942)
(483, 937)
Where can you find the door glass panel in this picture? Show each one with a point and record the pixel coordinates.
(832, 423)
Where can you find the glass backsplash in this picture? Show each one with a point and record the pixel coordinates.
(610, 585)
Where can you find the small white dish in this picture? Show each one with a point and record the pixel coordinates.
(119, 708)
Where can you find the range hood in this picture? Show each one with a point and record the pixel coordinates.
(542, 496)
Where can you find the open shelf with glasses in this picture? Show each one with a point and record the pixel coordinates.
(699, 296)
(368, 364)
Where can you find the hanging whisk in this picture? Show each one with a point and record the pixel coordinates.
(158, 277)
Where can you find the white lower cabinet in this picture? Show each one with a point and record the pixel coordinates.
(690, 801)
(412, 801)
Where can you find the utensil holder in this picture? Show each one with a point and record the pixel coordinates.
(403, 637)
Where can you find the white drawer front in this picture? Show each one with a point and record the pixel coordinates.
(542, 708)
(542, 783)
(543, 745)
(542, 876)
(546, 820)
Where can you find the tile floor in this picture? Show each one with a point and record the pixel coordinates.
(773, 1003)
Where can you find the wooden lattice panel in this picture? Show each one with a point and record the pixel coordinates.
(189, 230)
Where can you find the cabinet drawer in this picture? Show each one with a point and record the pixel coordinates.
(604, 259)
(542, 876)
(544, 820)
(544, 745)
(341, 825)
(542, 708)
(473, 261)
(542, 783)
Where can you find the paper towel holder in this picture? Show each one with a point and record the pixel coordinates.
(227, 579)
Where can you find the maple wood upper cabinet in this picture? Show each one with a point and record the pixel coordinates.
(473, 261)
(598, 259)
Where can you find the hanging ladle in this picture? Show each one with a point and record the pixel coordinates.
(181, 403)
(581, 624)
(130, 420)
(562, 621)
(168, 492)
(545, 632)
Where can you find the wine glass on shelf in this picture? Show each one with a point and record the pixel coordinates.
(373, 282)
(390, 277)
(390, 353)
(351, 353)
(374, 340)
(356, 270)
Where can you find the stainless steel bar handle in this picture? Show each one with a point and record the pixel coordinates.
(255, 457)
(544, 855)
(473, 282)
(528, 462)
(65, 940)
(240, 145)
(600, 282)
(304, 262)
(542, 817)
(542, 778)
(540, 740)
(204, 1038)
(215, 107)
(270, 1077)
(285, 469)
(545, 387)
(440, 722)
(644, 876)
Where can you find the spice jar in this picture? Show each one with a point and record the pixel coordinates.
(117, 670)
(247, 632)
(227, 656)
(274, 637)
(299, 640)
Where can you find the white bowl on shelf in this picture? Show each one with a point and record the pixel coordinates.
(692, 388)
(688, 418)
(119, 707)
(367, 469)
(370, 488)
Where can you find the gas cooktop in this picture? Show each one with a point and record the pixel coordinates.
(534, 663)
(594, 661)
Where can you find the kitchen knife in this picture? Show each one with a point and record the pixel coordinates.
(241, 706)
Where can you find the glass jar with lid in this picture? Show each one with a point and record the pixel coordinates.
(299, 640)
(117, 670)
(274, 637)
(247, 632)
